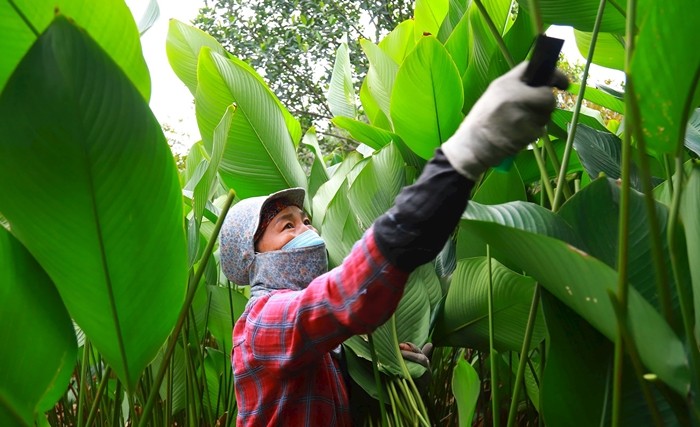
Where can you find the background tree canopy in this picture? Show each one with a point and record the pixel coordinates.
(292, 43)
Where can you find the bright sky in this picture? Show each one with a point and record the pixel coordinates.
(171, 102)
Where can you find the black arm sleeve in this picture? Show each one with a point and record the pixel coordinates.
(424, 214)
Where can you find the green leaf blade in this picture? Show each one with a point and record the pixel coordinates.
(106, 221)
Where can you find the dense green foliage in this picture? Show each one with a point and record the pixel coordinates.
(564, 297)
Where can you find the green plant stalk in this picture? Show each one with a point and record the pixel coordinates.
(202, 386)
(83, 384)
(520, 375)
(393, 404)
(577, 110)
(377, 380)
(623, 228)
(492, 351)
(663, 288)
(543, 357)
(422, 412)
(496, 34)
(413, 413)
(117, 404)
(684, 294)
(543, 174)
(534, 7)
(669, 175)
(636, 362)
(24, 18)
(551, 152)
(98, 396)
(191, 289)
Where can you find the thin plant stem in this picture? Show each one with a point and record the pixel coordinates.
(492, 351)
(543, 174)
(83, 384)
(496, 34)
(534, 7)
(191, 290)
(520, 375)
(117, 404)
(422, 412)
(551, 152)
(98, 396)
(23, 17)
(685, 297)
(393, 405)
(669, 174)
(636, 363)
(577, 110)
(377, 380)
(623, 231)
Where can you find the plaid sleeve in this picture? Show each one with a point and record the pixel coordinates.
(291, 329)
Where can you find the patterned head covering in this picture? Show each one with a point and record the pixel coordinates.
(238, 233)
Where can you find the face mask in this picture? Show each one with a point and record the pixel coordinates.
(304, 240)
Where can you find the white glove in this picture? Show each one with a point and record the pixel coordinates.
(507, 117)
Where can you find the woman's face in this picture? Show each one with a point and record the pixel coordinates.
(286, 225)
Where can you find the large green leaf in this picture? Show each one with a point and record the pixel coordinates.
(399, 42)
(691, 221)
(466, 388)
(105, 221)
(259, 157)
(341, 92)
(427, 98)
(409, 323)
(600, 97)
(583, 283)
(371, 107)
(340, 228)
(580, 14)
(365, 133)
(428, 17)
(664, 73)
(203, 182)
(500, 187)
(601, 152)
(579, 365)
(593, 213)
(374, 189)
(692, 132)
(574, 343)
(327, 191)
(455, 12)
(464, 320)
(609, 49)
(379, 81)
(318, 175)
(458, 43)
(225, 307)
(38, 336)
(109, 22)
(182, 46)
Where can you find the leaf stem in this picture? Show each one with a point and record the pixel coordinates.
(377, 380)
(496, 34)
(24, 17)
(544, 176)
(83, 384)
(534, 7)
(98, 395)
(685, 297)
(623, 229)
(493, 355)
(547, 143)
(577, 110)
(532, 317)
(191, 289)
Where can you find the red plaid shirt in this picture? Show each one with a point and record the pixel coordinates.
(284, 372)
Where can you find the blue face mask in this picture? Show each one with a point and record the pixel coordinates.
(304, 240)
